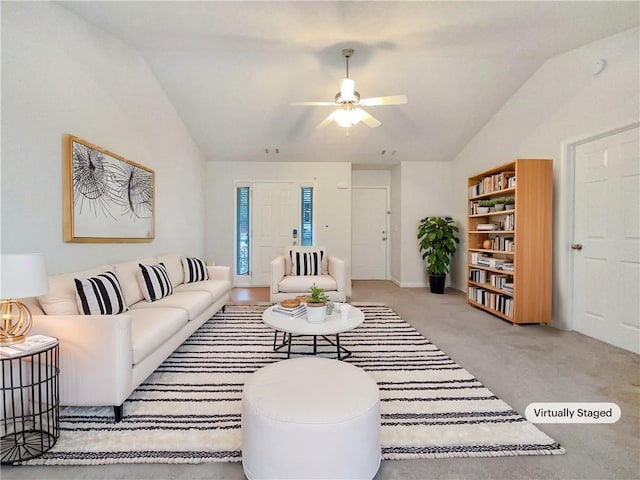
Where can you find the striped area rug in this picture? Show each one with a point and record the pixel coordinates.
(188, 410)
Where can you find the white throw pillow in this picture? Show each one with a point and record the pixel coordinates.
(195, 270)
(306, 263)
(100, 295)
(154, 282)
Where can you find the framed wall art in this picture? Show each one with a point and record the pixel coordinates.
(107, 198)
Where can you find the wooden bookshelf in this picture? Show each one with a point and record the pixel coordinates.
(510, 275)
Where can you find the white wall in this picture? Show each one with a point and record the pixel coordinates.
(61, 75)
(562, 102)
(371, 178)
(332, 208)
(425, 191)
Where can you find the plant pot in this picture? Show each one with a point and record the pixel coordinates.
(483, 210)
(509, 207)
(499, 207)
(316, 312)
(436, 283)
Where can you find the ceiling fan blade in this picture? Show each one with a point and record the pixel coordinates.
(368, 119)
(315, 104)
(327, 120)
(389, 100)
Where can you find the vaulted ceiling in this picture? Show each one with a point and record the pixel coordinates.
(232, 69)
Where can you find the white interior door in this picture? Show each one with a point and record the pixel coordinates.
(607, 228)
(369, 233)
(275, 215)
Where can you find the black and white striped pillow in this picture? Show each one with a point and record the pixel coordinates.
(100, 295)
(195, 270)
(154, 282)
(306, 263)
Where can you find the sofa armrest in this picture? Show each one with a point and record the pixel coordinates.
(277, 273)
(338, 272)
(96, 356)
(219, 272)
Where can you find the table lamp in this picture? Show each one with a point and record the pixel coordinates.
(21, 276)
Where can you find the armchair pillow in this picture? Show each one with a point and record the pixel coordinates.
(100, 295)
(306, 263)
(195, 270)
(154, 282)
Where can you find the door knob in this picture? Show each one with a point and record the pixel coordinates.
(577, 246)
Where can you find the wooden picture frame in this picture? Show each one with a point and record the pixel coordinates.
(107, 198)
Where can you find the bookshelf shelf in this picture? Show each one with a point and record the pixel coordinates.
(488, 286)
(491, 310)
(527, 226)
(491, 214)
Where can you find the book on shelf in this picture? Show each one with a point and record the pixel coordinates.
(493, 183)
(509, 221)
(483, 261)
(504, 244)
(490, 262)
(494, 301)
(477, 275)
(31, 344)
(488, 226)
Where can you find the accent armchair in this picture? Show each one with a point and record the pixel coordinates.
(293, 274)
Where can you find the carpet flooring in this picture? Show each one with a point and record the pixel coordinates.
(188, 410)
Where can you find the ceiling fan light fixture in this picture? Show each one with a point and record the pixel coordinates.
(343, 118)
(357, 114)
(349, 117)
(347, 90)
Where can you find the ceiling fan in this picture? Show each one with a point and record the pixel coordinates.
(348, 103)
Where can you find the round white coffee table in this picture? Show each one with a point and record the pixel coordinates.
(333, 325)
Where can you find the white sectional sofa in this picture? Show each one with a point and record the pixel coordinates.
(103, 358)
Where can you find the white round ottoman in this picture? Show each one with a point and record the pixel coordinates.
(310, 418)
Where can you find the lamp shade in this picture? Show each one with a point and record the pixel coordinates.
(23, 275)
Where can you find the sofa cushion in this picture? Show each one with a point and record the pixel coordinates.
(61, 298)
(302, 284)
(154, 282)
(324, 263)
(217, 288)
(100, 295)
(194, 303)
(127, 273)
(173, 264)
(195, 270)
(151, 327)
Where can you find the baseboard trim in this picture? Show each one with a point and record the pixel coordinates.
(413, 284)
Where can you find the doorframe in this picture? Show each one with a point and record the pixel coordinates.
(239, 280)
(566, 220)
(387, 190)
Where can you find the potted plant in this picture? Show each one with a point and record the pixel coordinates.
(317, 305)
(509, 203)
(484, 206)
(437, 238)
(499, 203)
